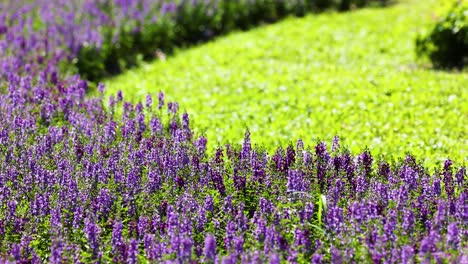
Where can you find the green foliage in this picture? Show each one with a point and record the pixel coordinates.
(447, 43)
(189, 25)
(347, 74)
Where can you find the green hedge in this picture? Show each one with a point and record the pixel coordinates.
(447, 43)
(191, 24)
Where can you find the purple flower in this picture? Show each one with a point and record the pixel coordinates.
(149, 101)
(172, 107)
(160, 100)
(366, 160)
(56, 251)
(238, 245)
(119, 96)
(322, 162)
(336, 257)
(317, 259)
(436, 187)
(275, 258)
(460, 176)
(301, 239)
(100, 88)
(246, 147)
(290, 156)
(156, 126)
(297, 182)
(448, 178)
(210, 248)
(428, 244)
(334, 218)
(407, 255)
(117, 239)
(336, 144)
(200, 144)
(453, 239)
(92, 232)
(132, 252)
(408, 221)
(186, 249)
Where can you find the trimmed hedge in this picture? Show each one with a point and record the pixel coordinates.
(187, 23)
(447, 43)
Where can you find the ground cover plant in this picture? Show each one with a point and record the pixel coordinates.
(352, 75)
(88, 178)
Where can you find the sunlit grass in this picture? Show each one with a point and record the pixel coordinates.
(348, 74)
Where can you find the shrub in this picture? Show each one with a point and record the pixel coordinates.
(128, 36)
(447, 43)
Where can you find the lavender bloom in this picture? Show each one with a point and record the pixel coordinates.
(453, 239)
(92, 232)
(142, 225)
(148, 242)
(200, 144)
(132, 252)
(186, 249)
(119, 96)
(334, 218)
(297, 182)
(149, 101)
(366, 159)
(260, 230)
(428, 245)
(322, 162)
(441, 214)
(408, 221)
(230, 234)
(56, 252)
(317, 259)
(290, 156)
(448, 178)
(460, 176)
(100, 88)
(336, 257)
(246, 147)
(307, 213)
(336, 144)
(71, 167)
(172, 107)
(185, 121)
(156, 126)
(307, 158)
(275, 259)
(436, 187)
(210, 248)
(209, 204)
(407, 255)
(117, 239)
(160, 100)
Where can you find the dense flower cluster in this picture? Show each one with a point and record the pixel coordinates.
(99, 193)
(82, 180)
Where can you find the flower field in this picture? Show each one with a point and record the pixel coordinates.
(109, 177)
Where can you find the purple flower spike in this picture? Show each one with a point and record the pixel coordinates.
(160, 100)
(210, 248)
(275, 258)
(100, 88)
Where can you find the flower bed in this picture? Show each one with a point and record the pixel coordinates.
(79, 183)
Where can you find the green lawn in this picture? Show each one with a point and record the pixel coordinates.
(351, 74)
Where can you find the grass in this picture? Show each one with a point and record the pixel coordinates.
(348, 74)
